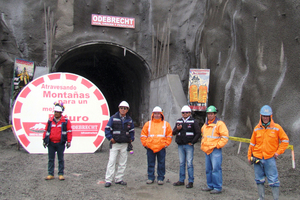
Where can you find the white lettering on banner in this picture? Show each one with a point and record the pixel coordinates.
(85, 127)
(114, 21)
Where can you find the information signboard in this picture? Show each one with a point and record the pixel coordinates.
(198, 89)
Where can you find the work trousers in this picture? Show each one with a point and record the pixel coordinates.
(59, 148)
(121, 150)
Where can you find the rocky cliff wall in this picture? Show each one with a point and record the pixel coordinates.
(251, 47)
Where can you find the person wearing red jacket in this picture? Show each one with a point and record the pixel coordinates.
(156, 136)
(264, 149)
(57, 135)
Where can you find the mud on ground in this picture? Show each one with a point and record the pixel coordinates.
(22, 175)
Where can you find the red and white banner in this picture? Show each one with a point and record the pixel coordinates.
(113, 21)
(85, 107)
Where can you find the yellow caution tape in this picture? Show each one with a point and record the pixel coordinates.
(246, 140)
(5, 127)
(239, 139)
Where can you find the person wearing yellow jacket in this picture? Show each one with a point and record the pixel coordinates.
(156, 136)
(264, 148)
(214, 138)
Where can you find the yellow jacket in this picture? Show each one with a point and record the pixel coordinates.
(214, 135)
(156, 134)
(264, 142)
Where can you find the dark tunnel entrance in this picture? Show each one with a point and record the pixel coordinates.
(118, 72)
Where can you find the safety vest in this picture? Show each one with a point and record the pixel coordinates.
(120, 131)
(187, 133)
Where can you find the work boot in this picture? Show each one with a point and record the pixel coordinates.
(49, 177)
(189, 185)
(261, 191)
(178, 183)
(160, 182)
(149, 181)
(107, 184)
(275, 192)
(207, 189)
(121, 183)
(215, 191)
(61, 177)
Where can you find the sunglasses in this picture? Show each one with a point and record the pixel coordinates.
(124, 108)
(185, 112)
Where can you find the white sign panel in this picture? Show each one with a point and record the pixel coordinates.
(85, 107)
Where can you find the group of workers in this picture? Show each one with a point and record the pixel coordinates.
(267, 142)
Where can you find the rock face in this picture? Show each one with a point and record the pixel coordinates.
(251, 48)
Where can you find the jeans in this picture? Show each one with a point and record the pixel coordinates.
(266, 168)
(117, 149)
(59, 148)
(213, 165)
(186, 155)
(161, 168)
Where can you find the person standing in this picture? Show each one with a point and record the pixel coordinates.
(214, 138)
(156, 136)
(120, 132)
(264, 149)
(187, 133)
(57, 135)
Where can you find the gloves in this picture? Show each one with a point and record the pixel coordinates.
(68, 144)
(45, 145)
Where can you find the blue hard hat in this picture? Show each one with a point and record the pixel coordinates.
(266, 110)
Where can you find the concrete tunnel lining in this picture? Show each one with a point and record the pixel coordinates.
(118, 72)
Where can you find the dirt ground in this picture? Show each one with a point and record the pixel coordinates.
(22, 175)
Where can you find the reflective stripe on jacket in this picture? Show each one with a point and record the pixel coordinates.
(156, 134)
(214, 135)
(265, 142)
(189, 133)
(58, 132)
(121, 130)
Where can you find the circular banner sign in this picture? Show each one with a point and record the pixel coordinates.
(85, 107)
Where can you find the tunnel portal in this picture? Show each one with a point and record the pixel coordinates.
(118, 72)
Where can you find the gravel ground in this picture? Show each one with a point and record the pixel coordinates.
(22, 175)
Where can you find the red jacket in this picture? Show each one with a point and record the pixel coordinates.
(55, 133)
(264, 142)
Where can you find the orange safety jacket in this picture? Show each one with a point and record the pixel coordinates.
(214, 135)
(264, 142)
(156, 134)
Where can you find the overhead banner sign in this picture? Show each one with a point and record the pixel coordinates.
(198, 89)
(85, 107)
(113, 21)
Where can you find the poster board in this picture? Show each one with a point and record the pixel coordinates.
(23, 74)
(198, 89)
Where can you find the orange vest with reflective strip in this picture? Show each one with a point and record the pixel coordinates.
(214, 135)
(156, 134)
(265, 142)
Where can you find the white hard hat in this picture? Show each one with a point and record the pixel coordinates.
(58, 109)
(186, 109)
(124, 104)
(157, 109)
